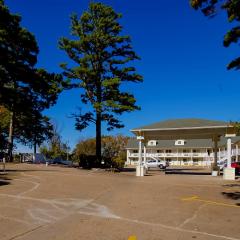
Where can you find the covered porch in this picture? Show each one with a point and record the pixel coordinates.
(183, 129)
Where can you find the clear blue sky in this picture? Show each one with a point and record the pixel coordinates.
(183, 60)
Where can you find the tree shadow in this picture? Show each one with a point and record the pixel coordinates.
(233, 196)
(231, 185)
(4, 180)
(186, 169)
(30, 170)
(191, 171)
(128, 170)
(3, 183)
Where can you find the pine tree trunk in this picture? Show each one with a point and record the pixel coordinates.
(98, 123)
(35, 148)
(98, 138)
(10, 138)
(34, 151)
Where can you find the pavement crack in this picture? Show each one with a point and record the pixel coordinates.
(195, 214)
(25, 233)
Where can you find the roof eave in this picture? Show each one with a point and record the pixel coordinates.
(184, 128)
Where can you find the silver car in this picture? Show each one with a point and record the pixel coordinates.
(156, 164)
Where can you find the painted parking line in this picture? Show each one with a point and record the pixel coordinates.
(196, 198)
(132, 238)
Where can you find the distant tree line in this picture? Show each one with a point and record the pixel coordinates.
(84, 153)
(113, 152)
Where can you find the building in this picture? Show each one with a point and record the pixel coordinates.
(180, 152)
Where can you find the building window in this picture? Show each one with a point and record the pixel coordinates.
(185, 161)
(195, 161)
(168, 151)
(152, 143)
(180, 142)
(135, 151)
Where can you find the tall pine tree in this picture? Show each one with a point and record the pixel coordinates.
(101, 56)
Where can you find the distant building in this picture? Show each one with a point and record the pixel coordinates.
(35, 158)
(188, 152)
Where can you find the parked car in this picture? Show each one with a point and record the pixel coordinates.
(60, 161)
(222, 164)
(236, 165)
(156, 164)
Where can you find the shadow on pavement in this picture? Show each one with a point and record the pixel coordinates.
(232, 185)
(3, 183)
(232, 195)
(187, 171)
(4, 180)
(128, 169)
(30, 170)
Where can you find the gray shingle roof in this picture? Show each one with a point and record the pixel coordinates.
(190, 143)
(184, 123)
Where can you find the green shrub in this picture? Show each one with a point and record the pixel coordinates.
(88, 161)
(216, 168)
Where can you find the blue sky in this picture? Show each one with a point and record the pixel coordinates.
(183, 61)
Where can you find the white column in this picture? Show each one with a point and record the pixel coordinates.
(228, 172)
(236, 153)
(177, 157)
(215, 150)
(145, 154)
(229, 152)
(140, 152)
(191, 156)
(219, 153)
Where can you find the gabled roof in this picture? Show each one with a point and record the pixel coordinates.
(185, 123)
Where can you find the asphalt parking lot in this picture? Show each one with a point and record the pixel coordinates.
(39, 202)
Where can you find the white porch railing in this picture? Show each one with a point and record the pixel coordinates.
(169, 155)
(220, 155)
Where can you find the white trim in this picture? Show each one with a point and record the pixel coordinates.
(230, 135)
(184, 128)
